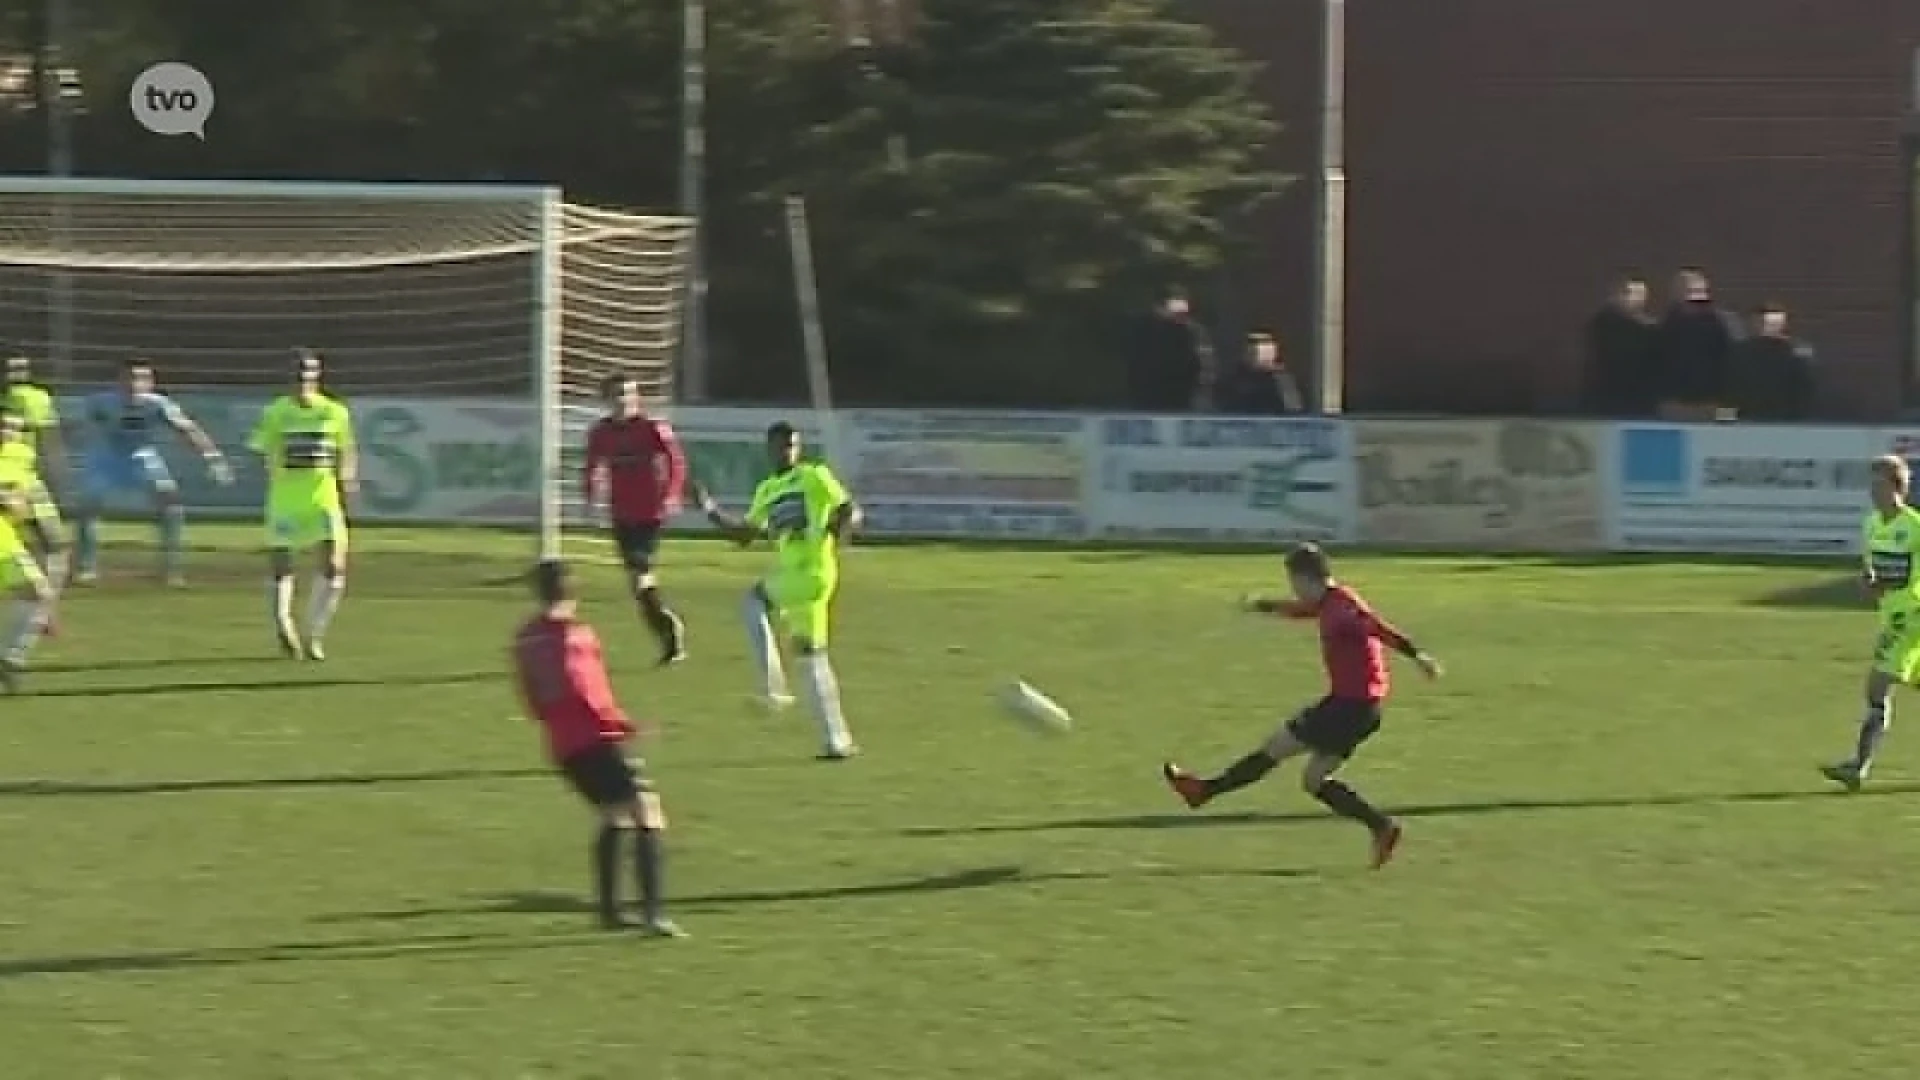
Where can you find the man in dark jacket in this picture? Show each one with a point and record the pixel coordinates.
(1171, 367)
(1773, 371)
(1261, 384)
(1620, 356)
(1695, 348)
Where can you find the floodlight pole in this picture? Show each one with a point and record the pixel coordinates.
(1330, 281)
(694, 375)
(59, 120)
(1910, 244)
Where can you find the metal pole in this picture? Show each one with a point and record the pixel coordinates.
(60, 164)
(693, 197)
(1910, 244)
(1330, 368)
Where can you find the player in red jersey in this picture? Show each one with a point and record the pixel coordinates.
(564, 685)
(1353, 644)
(635, 467)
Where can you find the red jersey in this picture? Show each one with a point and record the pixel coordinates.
(563, 681)
(643, 467)
(1353, 644)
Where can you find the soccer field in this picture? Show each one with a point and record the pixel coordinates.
(1620, 862)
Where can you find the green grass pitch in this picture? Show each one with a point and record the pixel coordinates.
(1620, 862)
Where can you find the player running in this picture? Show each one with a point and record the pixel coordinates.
(20, 573)
(1890, 538)
(32, 440)
(563, 682)
(125, 424)
(635, 467)
(807, 514)
(306, 439)
(1331, 729)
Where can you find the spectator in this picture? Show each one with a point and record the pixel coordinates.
(1694, 347)
(1261, 385)
(1171, 369)
(1620, 355)
(1772, 374)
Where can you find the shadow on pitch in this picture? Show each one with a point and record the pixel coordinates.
(153, 663)
(1838, 594)
(256, 686)
(40, 788)
(987, 877)
(1431, 810)
(389, 947)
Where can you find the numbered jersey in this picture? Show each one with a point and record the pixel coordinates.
(1890, 547)
(124, 424)
(303, 443)
(792, 508)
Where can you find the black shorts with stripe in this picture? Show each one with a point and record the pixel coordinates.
(639, 545)
(604, 776)
(1336, 726)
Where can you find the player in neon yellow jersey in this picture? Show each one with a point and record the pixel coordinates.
(312, 466)
(42, 449)
(806, 513)
(20, 573)
(1890, 548)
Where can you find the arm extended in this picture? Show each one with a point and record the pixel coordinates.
(732, 526)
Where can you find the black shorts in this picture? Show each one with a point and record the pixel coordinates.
(638, 545)
(604, 776)
(1336, 726)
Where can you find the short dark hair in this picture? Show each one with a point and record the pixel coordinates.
(306, 362)
(552, 581)
(1309, 561)
(781, 431)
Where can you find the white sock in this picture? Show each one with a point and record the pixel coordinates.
(323, 603)
(29, 620)
(823, 694)
(280, 601)
(766, 648)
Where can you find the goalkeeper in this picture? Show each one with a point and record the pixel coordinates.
(306, 438)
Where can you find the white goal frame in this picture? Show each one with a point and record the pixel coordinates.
(545, 243)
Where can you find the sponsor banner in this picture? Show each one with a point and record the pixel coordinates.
(471, 462)
(1741, 489)
(1499, 485)
(966, 474)
(1221, 480)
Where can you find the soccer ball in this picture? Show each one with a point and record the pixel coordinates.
(1035, 709)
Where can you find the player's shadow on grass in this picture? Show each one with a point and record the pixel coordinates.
(391, 947)
(82, 788)
(258, 686)
(1430, 810)
(152, 663)
(986, 877)
(1838, 594)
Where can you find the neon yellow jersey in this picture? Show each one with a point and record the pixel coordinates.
(303, 443)
(793, 508)
(20, 454)
(1889, 549)
(32, 404)
(19, 482)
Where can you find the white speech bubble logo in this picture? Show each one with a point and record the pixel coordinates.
(172, 99)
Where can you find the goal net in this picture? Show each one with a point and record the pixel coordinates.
(468, 327)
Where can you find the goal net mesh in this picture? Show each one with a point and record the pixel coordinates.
(408, 296)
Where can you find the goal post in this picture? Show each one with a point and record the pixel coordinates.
(473, 323)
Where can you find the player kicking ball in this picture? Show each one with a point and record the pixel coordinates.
(37, 445)
(1353, 641)
(306, 440)
(803, 509)
(564, 686)
(634, 467)
(1890, 544)
(123, 456)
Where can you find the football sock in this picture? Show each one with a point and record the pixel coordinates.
(649, 857)
(1248, 770)
(327, 590)
(606, 862)
(823, 694)
(1873, 729)
(86, 544)
(659, 618)
(280, 600)
(766, 651)
(57, 568)
(29, 619)
(173, 531)
(1347, 802)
